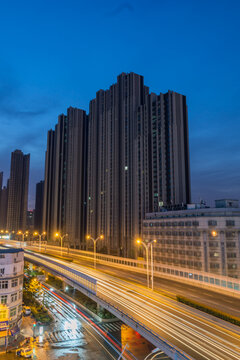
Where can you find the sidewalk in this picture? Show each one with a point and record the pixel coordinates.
(26, 331)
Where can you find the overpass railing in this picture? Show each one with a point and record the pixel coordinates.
(85, 281)
(212, 281)
(197, 278)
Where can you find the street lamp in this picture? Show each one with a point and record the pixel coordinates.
(61, 237)
(40, 238)
(148, 244)
(88, 237)
(22, 233)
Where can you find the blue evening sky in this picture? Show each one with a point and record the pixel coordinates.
(58, 53)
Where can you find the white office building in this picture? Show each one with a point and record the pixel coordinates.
(203, 239)
(11, 289)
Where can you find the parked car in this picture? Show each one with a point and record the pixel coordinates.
(25, 352)
(26, 310)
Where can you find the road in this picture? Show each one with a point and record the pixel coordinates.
(197, 334)
(72, 328)
(168, 287)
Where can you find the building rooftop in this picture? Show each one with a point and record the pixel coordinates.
(6, 249)
(194, 213)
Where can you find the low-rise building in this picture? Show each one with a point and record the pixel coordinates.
(204, 239)
(11, 289)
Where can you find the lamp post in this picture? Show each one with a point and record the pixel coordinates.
(61, 237)
(88, 237)
(40, 238)
(146, 245)
(22, 233)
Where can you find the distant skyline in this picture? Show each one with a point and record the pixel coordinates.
(58, 54)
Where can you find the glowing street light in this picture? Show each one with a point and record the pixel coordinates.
(214, 233)
(22, 233)
(40, 238)
(88, 237)
(146, 245)
(61, 237)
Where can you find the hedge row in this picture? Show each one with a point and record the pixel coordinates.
(232, 319)
(38, 311)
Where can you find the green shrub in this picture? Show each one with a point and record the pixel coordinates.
(224, 316)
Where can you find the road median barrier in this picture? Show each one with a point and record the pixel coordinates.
(211, 311)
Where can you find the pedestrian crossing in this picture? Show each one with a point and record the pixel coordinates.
(111, 327)
(70, 335)
(64, 335)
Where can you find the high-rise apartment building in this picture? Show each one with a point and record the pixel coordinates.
(64, 205)
(1, 180)
(138, 159)
(105, 171)
(3, 204)
(76, 185)
(3, 208)
(38, 213)
(48, 202)
(18, 191)
(55, 178)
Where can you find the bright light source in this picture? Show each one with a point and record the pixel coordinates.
(138, 241)
(72, 324)
(214, 233)
(66, 288)
(51, 289)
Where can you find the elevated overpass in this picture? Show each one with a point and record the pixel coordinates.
(213, 282)
(181, 332)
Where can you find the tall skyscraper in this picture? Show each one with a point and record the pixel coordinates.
(3, 204)
(138, 159)
(60, 178)
(1, 180)
(64, 205)
(163, 142)
(38, 214)
(105, 171)
(76, 191)
(3, 208)
(18, 191)
(48, 198)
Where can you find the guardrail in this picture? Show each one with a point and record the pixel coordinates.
(82, 279)
(77, 276)
(197, 278)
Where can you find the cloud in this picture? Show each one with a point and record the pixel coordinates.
(126, 6)
(11, 111)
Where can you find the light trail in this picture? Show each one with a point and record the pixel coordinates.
(113, 344)
(196, 333)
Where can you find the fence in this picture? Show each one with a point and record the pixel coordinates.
(197, 278)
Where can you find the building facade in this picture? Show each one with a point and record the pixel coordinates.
(64, 201)
(138, 160)
(11, 288)
(105, 171)
(48, 198)
(76, 184)
(38, 213)
(18, 191)
(205, 239)
(3, 203)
